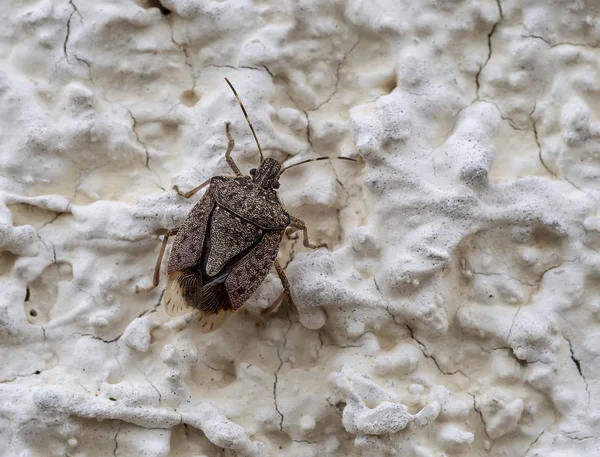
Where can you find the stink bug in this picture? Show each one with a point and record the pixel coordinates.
(227, 244)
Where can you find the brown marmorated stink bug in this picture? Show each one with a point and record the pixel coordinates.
(225, 247)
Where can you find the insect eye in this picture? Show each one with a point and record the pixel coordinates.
(253, 171)
(276, 185)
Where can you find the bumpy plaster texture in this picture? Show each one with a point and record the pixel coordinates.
(457, 310)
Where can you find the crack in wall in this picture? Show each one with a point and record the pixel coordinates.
(425, 353)
(137, 137)
(539, 436)
(477, 97)
(27, 375)
(578, 365)
(46, 243)
(506, 275)
(68, 34)
(89, 68)
(99, 89)
(420, 345)
(308, 137)
(560, 43)
(537, 286)
(147, 378)
(245, 67)
(541, 157)
(144, 147)
(337, 76)
(89, 335)
(537, 142)
(117, 355)
(312, 148)
(533, 443)
(116, 440)
(512, 324)
(344, 203)
(83, 291)
(305, 441)
(511, 123)
(577, 438)
(478, 411)
(276, 374)
(78, 382)
(347, 346)
(321, 342)
(53, 220)
(184, 50)
(266, 69)
(155, 307)
(387, 304)
(489, 56)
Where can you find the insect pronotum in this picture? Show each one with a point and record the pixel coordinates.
(229, 241)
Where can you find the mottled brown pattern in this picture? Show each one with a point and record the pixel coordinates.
(187, 247)
(250, 201)
(250, 272)
(228, 236)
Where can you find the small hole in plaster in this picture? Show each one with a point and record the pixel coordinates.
(154, 4)
(390, 84)
(44, 293)
(188, 98)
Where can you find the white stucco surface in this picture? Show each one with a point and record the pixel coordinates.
(456, 312)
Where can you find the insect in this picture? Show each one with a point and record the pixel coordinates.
(229, 241)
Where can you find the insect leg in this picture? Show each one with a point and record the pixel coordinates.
(286, 290)
(298, 224)
(193, 191)
(228, 158)
(156, 278)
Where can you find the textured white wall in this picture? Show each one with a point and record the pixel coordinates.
(457, 313)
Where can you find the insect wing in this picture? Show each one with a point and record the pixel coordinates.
(209, 322)
(228, 236)
(177, 304)
(187, 247)
(251, 271)
(185, 252)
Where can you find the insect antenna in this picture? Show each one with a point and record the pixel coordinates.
(314, 160)
(262, 158)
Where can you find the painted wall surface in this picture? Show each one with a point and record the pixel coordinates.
(456, 312)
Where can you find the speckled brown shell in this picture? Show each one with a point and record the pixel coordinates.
(236, 241)
(187, 246)
(250, 202)
(251, 271)
(228, 236)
